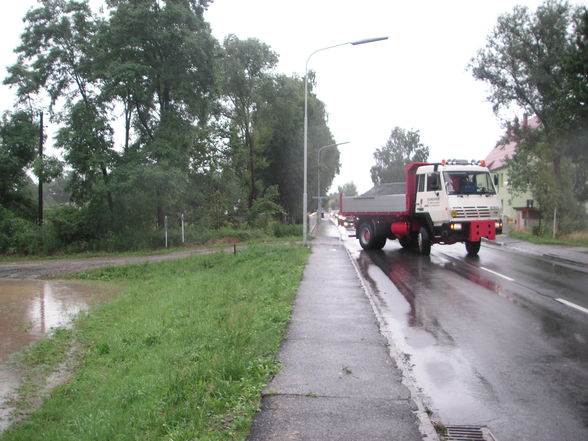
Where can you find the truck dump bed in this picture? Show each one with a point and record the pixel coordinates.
(384, 198)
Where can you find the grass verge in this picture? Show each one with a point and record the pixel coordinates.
(183, 353)
(214, 243)
(579, 239)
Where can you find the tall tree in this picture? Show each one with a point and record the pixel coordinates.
(56, 57)
(246, 71)
(19, 136)
(537, 62)
(403, 147)
(279, 127)
(159, 62)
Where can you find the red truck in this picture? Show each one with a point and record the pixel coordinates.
(448, 202)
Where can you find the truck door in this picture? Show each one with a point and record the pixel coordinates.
(430, 198)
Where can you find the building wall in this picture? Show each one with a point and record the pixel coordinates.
(513, 218)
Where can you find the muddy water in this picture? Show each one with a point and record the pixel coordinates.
(29, 310)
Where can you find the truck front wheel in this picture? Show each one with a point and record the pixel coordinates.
(472, 248)
(424, 241)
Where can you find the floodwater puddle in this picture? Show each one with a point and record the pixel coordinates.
(29, 310)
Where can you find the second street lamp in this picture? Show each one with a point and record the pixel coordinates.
(318, 178)
(305, 184)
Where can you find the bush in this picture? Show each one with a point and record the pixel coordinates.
(281, 230)
(18, 235)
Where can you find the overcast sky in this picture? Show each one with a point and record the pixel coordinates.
(417, 79)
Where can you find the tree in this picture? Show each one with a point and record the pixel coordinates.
(87, 141)
(19, 137)
(54, 52)
(56, 56)
(538, 63)
(159, 62)
(348, 189)
(279, 127)
(402, 148)
(245, 72)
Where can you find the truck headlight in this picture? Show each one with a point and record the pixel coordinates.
(498, 224)
(455, 227)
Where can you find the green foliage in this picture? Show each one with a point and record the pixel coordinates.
(245, 70)
(537, 62)
(402, 148)
(209, 131)
(18, 142)
(348, 189)
(183, 353)
(281, 230)
(280, 124)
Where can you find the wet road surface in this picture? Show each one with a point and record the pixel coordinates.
(490, 341)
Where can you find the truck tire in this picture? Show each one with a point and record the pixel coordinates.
(408, 242)
(424, 241)
(473, 248)
(379, 242)
(366, 235)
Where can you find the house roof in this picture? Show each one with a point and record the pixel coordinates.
(503, 150)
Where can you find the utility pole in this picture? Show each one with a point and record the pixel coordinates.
(40, 170)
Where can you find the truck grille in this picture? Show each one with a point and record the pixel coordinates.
(475, 212)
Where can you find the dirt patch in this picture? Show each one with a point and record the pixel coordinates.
(222, 241)
(49, 269)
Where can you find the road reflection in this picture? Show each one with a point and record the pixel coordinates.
(478, 344)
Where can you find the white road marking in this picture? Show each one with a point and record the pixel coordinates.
(572, 305)
(498, 274)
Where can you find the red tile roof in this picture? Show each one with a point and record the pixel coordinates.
(499, 154)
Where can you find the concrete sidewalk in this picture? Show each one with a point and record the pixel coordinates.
(338, 381)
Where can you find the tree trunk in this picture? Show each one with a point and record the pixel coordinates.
(108, 193)
(159, 210)
(252, 190)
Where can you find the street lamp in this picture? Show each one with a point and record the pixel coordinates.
(318, 178)
(305, 193)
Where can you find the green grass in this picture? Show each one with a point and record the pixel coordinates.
(152, 252)
(576, 239)
(182, 354)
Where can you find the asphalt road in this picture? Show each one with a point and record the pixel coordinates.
(500, 340)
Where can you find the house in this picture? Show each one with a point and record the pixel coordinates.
(519, 210)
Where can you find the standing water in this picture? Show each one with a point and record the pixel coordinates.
(29, 310)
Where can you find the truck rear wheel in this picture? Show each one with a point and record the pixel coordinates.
(408, 242)
(424, 241)
(365, 233)
(473, 248)
(368, 238)
(380, 242)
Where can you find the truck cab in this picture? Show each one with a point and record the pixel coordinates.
(458, 201)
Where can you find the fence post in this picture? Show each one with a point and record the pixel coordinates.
(183, 238)
(165, 228)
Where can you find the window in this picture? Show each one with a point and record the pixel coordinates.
(433, 182)
(421, 183)
(468, 182)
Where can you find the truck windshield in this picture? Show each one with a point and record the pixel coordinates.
(468, 182)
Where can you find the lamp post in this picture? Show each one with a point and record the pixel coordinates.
(305, 192)
(318, 178)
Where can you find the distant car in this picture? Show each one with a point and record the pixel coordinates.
(346, 221)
